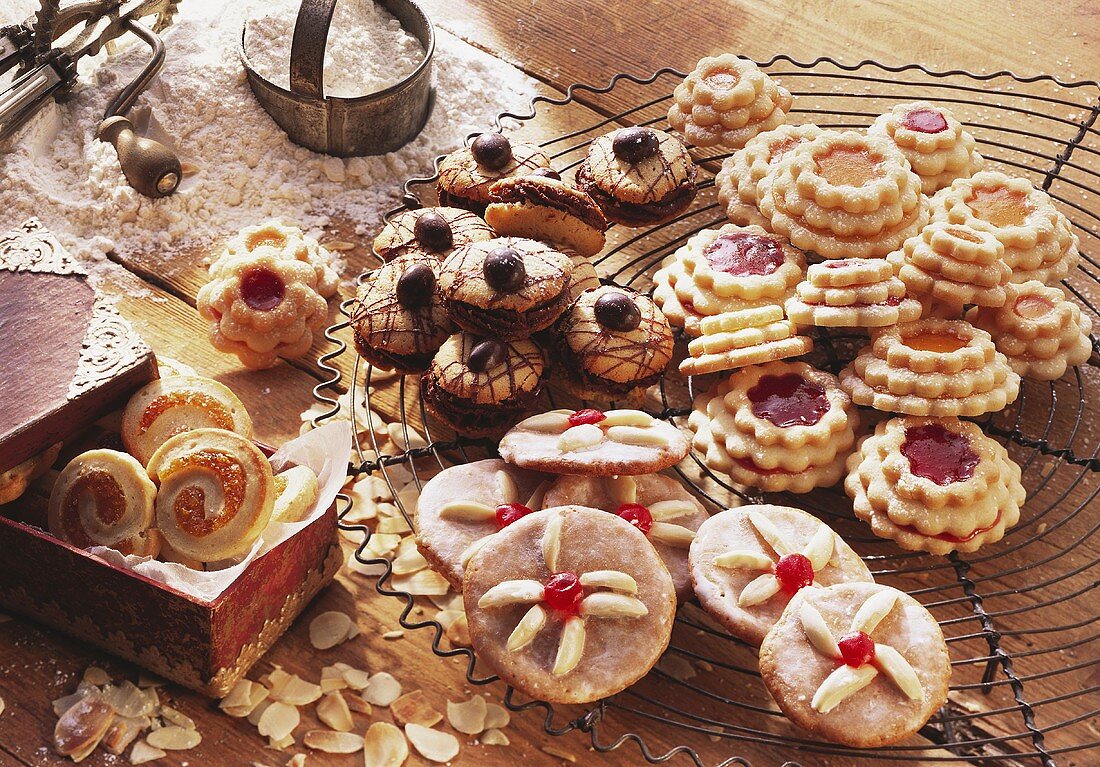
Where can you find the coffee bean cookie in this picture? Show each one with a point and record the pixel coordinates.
(549, 210)
(430, 231)
(466, 174)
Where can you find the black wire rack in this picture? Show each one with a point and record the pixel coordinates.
(1021, 617)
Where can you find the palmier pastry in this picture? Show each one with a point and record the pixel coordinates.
(216, 493)
(171, 406)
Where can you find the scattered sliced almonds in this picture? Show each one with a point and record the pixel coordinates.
(496, 716)
(142, 752)
(173, 738)
(433, 745)
(494, 738)
(558, 753)
(333, 742)
(278, 721)
(330, 629)
(333, 710)
(467, 717)
(384, 746)
(382, 690)
(298, 760)
(414, 708)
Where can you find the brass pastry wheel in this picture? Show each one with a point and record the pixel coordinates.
(1019, 616)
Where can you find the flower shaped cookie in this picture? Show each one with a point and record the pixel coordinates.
(852, 292)
(953, 265)
(289, 243)
(933, 142)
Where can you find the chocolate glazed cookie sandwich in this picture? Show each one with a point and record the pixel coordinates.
(467, 173)
(638, 176)
(545, 208)
(508, 287)
(481, 386)
(430, 231)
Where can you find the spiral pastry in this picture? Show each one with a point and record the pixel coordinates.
(103, 498)
(216, 493)
(162, 409)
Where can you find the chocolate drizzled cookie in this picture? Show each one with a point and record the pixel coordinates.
(467, 173)
(430, 231)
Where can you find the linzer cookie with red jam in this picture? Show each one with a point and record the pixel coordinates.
(170, 406)
(549, 210)
(462, 506)
(594, 443)
(479, 386)
(612, 343)
(727, 100)
(738, 180)
(399, 317)
(933, 142)
(860, 664)
(931, 367)
(1038, 240)
(569, 604)
(780, 426)
(934, 484)
(844, 195)
(747, 564)
(852, 293)
(466, 174)
(742, 338)
(507, 287)
(1038, 329)
(283, 241)
(430, 232)
(657, 505)
(638, 176)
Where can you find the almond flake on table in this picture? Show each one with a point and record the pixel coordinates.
(298, 760)
(332, 679)
(383, 689)
(494, 738)
(421, 583)
(467, 717)
(433, 745)
(333, 742)
(395, 634)
(384, 745)
(278, 721)
(243, 699)
(333, 710)
(173, 738)
(558, 753)
(497, 717)
(330, 629)
(414, 708)
(409, 562)
(142, 752)
(356, 703)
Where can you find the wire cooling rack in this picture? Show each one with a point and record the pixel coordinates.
(1020, 617)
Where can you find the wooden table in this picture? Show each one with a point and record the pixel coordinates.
(558, 43)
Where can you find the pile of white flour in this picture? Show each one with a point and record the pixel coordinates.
(246, 169)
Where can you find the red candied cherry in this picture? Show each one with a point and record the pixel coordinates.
(857, 649)
(507, 513)
(793, 571)
(588, 415)
(637, 515)
(563, 592)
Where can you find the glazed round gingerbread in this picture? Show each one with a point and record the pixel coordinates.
(569, 604)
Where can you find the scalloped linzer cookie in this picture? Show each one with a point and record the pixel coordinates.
(594, 443)
(780, 426)
(727, 100)
(931, 367)
(953, 265)
(432, 232)
(466, 174)
(844, 195)
(287, 242)
(747, 337)
(934, 484)
(549, 210)
(461, 506)
(737, 182)
(657, 505)
(569, 604)
(1039, 243)
(852, 293)
(933, 142)
(1038, 329)
(861, 664)
(747, 564)
(638, 176)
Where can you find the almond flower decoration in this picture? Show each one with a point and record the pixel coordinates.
(861, 659)
(584, 429)
(504, 513)
(792, 570)
(654, 520)
(577, 598)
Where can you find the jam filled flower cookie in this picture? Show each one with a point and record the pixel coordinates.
(282, 241)
(860, 664)
(430, 231)
(738, 180)
(936, 485)
(104, 498)
(931, 367)
(507, 287)
(741, 338)
(638, 176)
(852, 293)
(844, 195)
(727, 100)
(933, 142)
(657, 505)
(612, 343)
(399, 317)
(747, 564)
(1038, 241)
(549, 210)
(1038, 329)
(569, 604)
(780, 426)
(466, 174)
(170, 406)
(462, 506)
(594, 443)
(953, 265)
(479, 386)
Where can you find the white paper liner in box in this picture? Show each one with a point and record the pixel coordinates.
(326, 450)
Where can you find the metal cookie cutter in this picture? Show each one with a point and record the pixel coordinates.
(375, 123)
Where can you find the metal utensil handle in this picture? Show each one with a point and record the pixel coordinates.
(307, 49)
(26, 95)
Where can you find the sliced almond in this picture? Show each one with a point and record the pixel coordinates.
(897, 669)
(142, 752)
(243, 698)
(392, 635)
(507, 491)
(384, 746)
(581, 437)
(743, 559)
(333, 710)
(356, 679)
(258, 712)
(383, 545)
(281, 743)
(61, 705)
(839, 685)
(339, 246)
(625, 417)
(333, 742)
(405, 436)
(672, 535)
(496, 716)
(622, 489)
(609, 579)
(570, 647)
(356, 703)
(122, 732)
(467, 511)
(512, 592)
(494, 738)
(297, 692)
(332, 679)
(393, 526)
(639, 437)
(606, 604)
(553, 422)
(80, 729)
(298, 760)
(459, 631)
(173, 738)
(2, 705)
(467, 717)
(382, 690)
(433, 745)
(770, 533)
(663, 511)
(421, 583)
(676, 666)
(820, 548)
(409, 562)
(871, 612)
(278, 721)
(559, 753)
(414, 708)
(97, 676)
(177, 717)
(329, 629)
(527, 629)
(759, 590)
(816, 630)
(472, 549)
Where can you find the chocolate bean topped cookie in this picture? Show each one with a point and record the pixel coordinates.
(430, 231)
(466, 174)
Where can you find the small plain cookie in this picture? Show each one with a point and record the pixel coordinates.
(852, 293)
(569, 605)
(295, 493)
(434, 232)
(932, 140)
(742, 338)
(549, 210)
